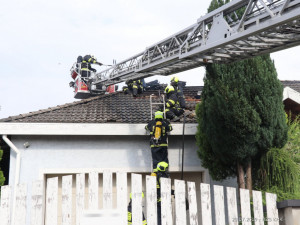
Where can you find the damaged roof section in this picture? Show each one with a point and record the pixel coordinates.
(110, 108)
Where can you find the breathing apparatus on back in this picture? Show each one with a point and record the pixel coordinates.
(158, 126)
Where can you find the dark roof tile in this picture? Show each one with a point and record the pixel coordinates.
(115, 107)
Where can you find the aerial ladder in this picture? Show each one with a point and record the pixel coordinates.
(222, 36)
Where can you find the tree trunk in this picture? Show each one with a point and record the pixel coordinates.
(249, 176)
(241, 176)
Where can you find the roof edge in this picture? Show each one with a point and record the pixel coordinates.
(291, 94)
(86, 129)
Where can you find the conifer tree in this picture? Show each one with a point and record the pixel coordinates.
(241, 116)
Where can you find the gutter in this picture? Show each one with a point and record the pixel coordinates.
(17, 172)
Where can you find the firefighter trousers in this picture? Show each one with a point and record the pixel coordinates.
(174, 111)
(159, 154)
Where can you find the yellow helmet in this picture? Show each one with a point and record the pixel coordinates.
(159, 115)
(175, 79)
(131, 195)
(162, 166)
(169, 88)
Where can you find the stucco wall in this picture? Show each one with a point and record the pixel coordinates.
(129, 153)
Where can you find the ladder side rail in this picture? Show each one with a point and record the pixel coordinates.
(155, 103)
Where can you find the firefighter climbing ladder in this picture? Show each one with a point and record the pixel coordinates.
(222, 36)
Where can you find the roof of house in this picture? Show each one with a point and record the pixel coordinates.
(294, 84)
(116, 107)
(113, 108)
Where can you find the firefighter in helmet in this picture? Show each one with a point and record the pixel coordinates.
(160, 171)
(86, 65)
(133, 86)
(179, 90)
(159, 128)
(173, 109)
(129, 211)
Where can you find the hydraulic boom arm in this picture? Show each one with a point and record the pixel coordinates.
(222, 36)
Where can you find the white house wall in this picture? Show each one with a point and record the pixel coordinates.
(64, 154)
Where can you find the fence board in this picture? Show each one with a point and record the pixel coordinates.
(180, 205)
(107, 190)
(193, 212)
(5, 205)
(20, 210)
(51, 201)
(151, 197)
(67, 200)
(272, 211)
(219, 204)
(37, 203)
(258, 208)
(166, 205)
(232, 206)
(122, 195)
(245, 207)
(136, 190)
(93, 190)
(205, 204)
(80, 187)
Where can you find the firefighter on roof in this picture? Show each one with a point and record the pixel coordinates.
(129, 212)
(86, 65)
(179, 89)
(133, 86)
(173, 109)
(159, 128)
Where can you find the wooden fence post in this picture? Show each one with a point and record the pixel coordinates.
(67, 200)
(37, 203)
(80, 187)
(233, 218)
(258, 208)
(122, 195)
(272, 211)
(21, 209)
(93, 190)
(205, 204)
(136, 193)
(180, 204)
(219, 205)
(5, 206)
(51, 201)
(166, 205)
(107, 190)
(151, 198)
(193, 211)
(245, 207)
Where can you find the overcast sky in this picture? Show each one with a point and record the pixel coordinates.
(40, 40)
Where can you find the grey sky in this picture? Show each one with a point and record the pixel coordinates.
(40, 40)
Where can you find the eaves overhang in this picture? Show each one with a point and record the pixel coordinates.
(86, 129)
(289, 93)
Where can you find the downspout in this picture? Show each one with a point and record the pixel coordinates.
(17, 172)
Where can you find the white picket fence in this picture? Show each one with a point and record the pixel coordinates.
(44, 202)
